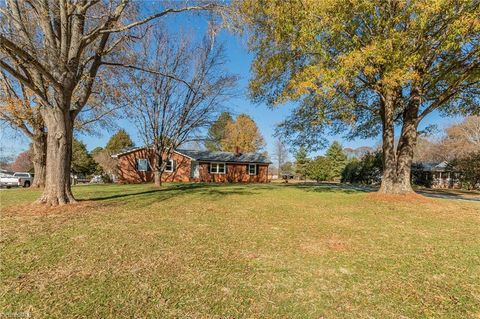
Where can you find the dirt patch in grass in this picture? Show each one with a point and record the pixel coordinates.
(331, 243)
(399, 198)
(44, 210)
(458, 193)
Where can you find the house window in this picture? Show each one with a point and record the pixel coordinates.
(217, 168)
(252, 169)
(170, 166)
(142, 165)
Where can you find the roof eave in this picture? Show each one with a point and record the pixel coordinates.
(183, 154)
(232, 162)
(128, 152)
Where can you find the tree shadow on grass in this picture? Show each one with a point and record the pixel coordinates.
(173, 190)
(330, 188)
(145, 195)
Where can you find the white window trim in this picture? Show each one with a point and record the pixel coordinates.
(169, 170)
(255, 170)
(217, 166)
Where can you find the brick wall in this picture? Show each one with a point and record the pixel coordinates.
(236, 173)
(128, 173)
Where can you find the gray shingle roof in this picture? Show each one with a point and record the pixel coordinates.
(210, 156)
(433, 167)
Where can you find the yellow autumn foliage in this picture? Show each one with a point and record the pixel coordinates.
(318, 45)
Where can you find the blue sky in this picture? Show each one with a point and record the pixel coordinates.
(239, 60)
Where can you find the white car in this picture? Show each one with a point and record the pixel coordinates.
(97, 179)
(25, 178)
(7, 180)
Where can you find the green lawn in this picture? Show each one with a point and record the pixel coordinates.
(238, 251)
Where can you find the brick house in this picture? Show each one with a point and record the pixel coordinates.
(135, 166)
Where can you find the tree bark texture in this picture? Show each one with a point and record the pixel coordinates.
(157, 168)
(397, 162)
(59, 153)
(39, 145)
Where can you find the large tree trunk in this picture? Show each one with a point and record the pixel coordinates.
(59, 153)
(157, 172)
(39, 145)
(397, 163)
(407, 142)
(388, 146)
(157, 178)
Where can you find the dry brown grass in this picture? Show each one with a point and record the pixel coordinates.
(239, 251)
(35, 209)
(399, 198)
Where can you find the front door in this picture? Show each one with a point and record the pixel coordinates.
(195, 170)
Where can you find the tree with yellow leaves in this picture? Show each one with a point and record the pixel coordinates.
(366, 68)
(244, 134)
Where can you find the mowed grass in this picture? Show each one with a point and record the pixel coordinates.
(238, 251)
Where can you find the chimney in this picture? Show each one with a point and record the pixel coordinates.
(237, 151)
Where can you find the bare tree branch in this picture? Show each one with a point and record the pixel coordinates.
(175, 93)
(138, 68)
(209, 6)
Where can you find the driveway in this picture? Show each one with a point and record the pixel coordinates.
(441, 194)
(432, 193)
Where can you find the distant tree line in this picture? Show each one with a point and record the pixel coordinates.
(336, 166)
(459, 147)
(328, 167)
(365, 170)
(321, 168)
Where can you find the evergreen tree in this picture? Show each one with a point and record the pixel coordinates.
(301, 162)
(350, 173)
(320, 169)
(119, 141)
(367, 170)
(216, 132)
(82, 161)
(338, 160)
(469, 165)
